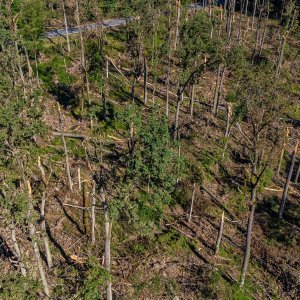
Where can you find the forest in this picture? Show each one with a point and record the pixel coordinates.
(149, 149)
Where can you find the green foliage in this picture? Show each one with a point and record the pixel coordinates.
(218, 286)
(31, 23)
(95, 276)
(172, 243)
(15, 287)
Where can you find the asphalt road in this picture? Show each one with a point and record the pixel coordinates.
(106, 24)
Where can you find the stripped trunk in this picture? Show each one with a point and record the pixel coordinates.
(44, 232)
(192, 99)
(107, 246)
(297, 174)
(145, 79)
(220, 235)
(168, 65)
(66, 25)
(262, 42)
(179, 101)
(177, 24)
(282, 151)
(93, 215)
(17, 249)
(248, 238)
(214, 108)
(287, 182)
(192, 203)
(254, 13)
(65, 149)
(35, 246)
(86, 206)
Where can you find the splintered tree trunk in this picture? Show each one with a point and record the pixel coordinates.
(192, 202)
(214, 108)
(177, 23)
(107, 246)
(82, 55)
(262, 41)
(282, 151)
(17, 249)
(254, 13)
(297, 174)
(192, 99)
(220, 235)
(35, 246)
(220, 88)
(168, 68)
(66, 25)
(85, 204)
(248, 238)
(93, 216)
(287, 182)
(280, 60)
(176, 127)
(65, 149)
(145, 79)
(45, 236)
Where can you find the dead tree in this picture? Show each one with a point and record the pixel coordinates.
(220, 233)
(65, 149)
(192, 202)
(66, 25)
(33, 237)
(107, 225)
(287, 182)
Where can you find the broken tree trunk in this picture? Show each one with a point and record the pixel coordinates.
(248, 237)
(17, 249)
(44, 233)
(93, 216)
(35, 246)
(192, 202)
(220, 234)
(107, 245)
(65, 149)
(287, 182)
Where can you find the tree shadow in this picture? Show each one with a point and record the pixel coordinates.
(286, 230)
(69, 217)
(65, 95)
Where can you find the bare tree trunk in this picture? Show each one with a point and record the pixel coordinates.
(220, 88)
(214, 108)
(192, 202)
(79, 179)
(107, 246)
(20, 68)
(254, 13)
(192, 99)
(176, 127)
(35, 246)
(66, 25)
(17, 249)
(145, 79)
(248, 238)
(220, 234)
(45, 237)
(280, 60)
(287, 182)
(93, 216)
(177, 24)
(297, 174)
(86, 205)
(65, 149)
(262, 42)
(282, 151)
(82, 56)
